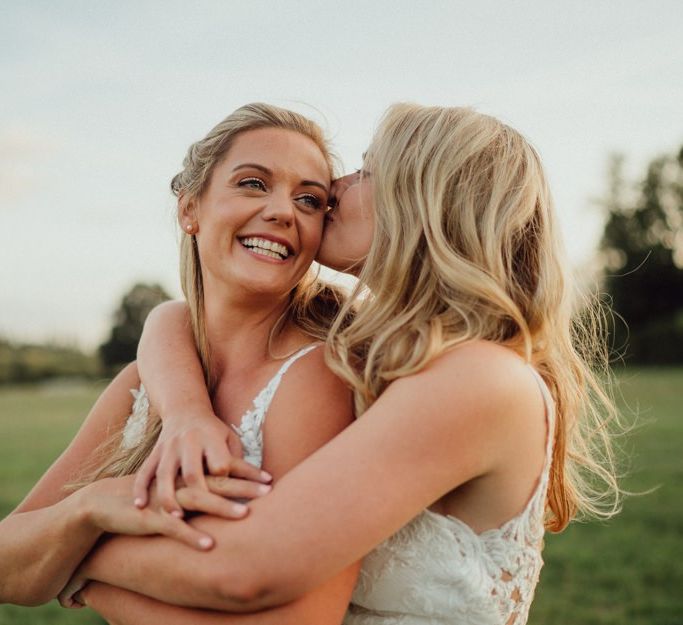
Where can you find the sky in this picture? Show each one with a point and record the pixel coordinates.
(100, 101)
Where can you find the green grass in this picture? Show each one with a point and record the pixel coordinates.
(630, 569)
(627, 571)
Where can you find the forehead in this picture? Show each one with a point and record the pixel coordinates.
(280, 150)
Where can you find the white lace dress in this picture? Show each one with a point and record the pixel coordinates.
(437, 570)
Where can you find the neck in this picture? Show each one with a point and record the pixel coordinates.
(240, 328)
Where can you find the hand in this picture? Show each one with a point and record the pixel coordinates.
(71, 595)
(108, 508)
(217, 499)
(106, 504)
(185, 444)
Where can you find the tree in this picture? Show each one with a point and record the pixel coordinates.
(122, 345)
(643, 252)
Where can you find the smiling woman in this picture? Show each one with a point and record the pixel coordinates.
(251, 204)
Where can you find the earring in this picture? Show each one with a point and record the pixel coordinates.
(190, 228)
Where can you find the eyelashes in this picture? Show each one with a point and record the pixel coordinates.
(253, 183)
(312, 200)
(308, 200)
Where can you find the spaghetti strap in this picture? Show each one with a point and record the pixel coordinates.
(249, 429)
(266, 395)
(251, 424)
(549, 413)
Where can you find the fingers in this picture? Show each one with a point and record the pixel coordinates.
(175, 528)
(242, 468)
(234, 445)
(236, 488)
(79, 598)
(208, 503)
(192, 467)
(68, 597)
(219, 458)
(165, 485)
(144, 478)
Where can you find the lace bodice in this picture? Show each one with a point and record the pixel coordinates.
(251, 424)
(437, 570)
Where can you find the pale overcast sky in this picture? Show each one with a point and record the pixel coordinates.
(101, 99)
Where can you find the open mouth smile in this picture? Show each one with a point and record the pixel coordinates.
(265, 247)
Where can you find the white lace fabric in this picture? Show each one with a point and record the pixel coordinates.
(251, 424)
(437, 570)
(250, 429)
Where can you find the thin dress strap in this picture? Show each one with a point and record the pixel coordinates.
(250, 428)
(549, 413)
(537, 504)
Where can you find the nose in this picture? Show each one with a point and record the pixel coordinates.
(279, 210)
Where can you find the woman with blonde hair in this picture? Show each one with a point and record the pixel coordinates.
(251, 202)
(479, 418)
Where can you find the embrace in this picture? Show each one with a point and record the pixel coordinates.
(285, 452)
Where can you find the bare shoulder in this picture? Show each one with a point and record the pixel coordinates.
(172, 307)
(311, 406)
(309, 377)
(480, 378)
(170, 313)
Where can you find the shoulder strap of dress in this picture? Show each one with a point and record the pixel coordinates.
(265, 397)
(549, 416)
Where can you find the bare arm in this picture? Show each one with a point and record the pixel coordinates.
(123, 607)
(464, 413)
(169, 365)
(170, 369)
(47, 536)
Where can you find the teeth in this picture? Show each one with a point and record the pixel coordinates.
(258, 250)
(266, 247)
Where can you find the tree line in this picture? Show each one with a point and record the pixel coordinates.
(25, 363)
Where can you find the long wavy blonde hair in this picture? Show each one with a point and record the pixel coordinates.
(466, 247)
(313, 303)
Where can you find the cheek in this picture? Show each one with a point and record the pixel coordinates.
(311, 234)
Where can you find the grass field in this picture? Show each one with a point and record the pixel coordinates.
(625, 572)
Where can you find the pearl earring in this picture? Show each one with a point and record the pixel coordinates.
(189, 228)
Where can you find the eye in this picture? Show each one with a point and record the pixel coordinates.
(252, 183)
(312, 201)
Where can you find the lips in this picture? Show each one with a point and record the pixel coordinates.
(278, 250)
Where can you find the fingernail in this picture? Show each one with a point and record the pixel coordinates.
(266, 476)
(139, 502)
(205, 542)
(177, 514)
(264, 489)
(239, 508)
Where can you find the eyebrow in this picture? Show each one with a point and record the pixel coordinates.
(265, 170)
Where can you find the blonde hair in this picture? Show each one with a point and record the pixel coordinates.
(466, 247)
(313, 303)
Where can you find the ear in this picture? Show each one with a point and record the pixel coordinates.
(187, 215)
